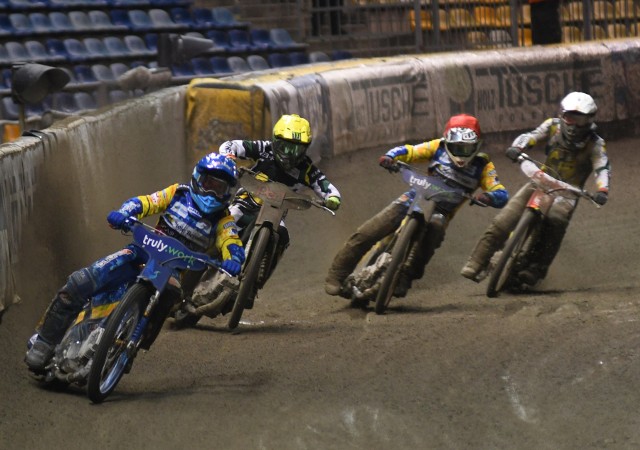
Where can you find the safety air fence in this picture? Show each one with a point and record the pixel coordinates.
(58, 187)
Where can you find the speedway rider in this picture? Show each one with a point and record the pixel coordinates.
(456, 158)
(574, 151)
(284, 160)
(196, 214)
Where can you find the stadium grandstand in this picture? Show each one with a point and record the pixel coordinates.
(102, 44)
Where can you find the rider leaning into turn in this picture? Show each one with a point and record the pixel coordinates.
(574, 151)
(283, 159)
(196, 214)
(457, 159)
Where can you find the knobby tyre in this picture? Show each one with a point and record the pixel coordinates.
(398, 256)
(111, 358)
(503, 269)
(250, 276)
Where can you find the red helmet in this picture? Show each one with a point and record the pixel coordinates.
(462, 138)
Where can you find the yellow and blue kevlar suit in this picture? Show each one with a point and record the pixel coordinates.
(479, 173)
(215, 234)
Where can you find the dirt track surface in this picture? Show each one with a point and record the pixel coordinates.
(445, 368)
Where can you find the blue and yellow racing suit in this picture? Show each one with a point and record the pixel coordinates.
(215, 234)
(478, 173)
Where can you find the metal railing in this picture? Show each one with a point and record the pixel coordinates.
(383, 28)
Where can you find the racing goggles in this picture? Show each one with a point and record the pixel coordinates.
(211, 185)
(577, 119)
(289, 150)
(461, 150)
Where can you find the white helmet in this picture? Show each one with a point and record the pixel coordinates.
(578, 111)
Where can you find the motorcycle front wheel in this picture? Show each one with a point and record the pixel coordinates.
(247, 286)
(113, 356)
(398, 256)
(503, 270)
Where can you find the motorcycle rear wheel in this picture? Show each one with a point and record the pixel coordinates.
(250, 276)
(398, 256)
(502, 273)
(112, 357)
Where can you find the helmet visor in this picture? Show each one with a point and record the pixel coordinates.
(289, 153)
(461, 150)
(577, 119)
(212, 185)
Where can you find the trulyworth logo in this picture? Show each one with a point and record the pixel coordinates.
(419, 181)
(162, 247)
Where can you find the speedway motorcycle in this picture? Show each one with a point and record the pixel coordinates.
(375, 279)
(138, 317)
(515, 255)
(221, 294)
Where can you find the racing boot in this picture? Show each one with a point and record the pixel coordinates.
(532, 274)
(473, 271)
(39, 355)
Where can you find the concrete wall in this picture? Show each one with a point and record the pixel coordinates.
(56, 190)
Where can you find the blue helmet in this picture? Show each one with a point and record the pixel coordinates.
(211, 182)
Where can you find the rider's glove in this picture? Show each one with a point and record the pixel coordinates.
(332, 203)
(116, 219)
(513, 153)
(601, 197)
(483, 199)
(386, 161)
(233, 265)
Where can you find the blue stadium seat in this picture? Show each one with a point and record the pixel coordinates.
(80, 21)
(55, 47)
(60, 23)
(151, 39)
(118, 68)
(85, 101)
(319, 56)
(84, 74)
(283, 41)
(100, 21)
(238, 64)
(120, 17)
(202, 66)
(298, 58)
(182, 16)
(338, 55)
(10, 110)
(76, 50)
(140, 21)
(257, 62)
(116, 47)
(220, 39)
(21, 24)
(39, 53)
(17, 51)
(102, 73)
(203, 18)
(220, 65)
(137, 46)
(224, 18)
(41, 23)
(240, 41)
(64, 102)
(162, 21)
(96, 48)
(260, 39)
(6, 29)
(26, 5)
(183, 72)
(277, 60)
